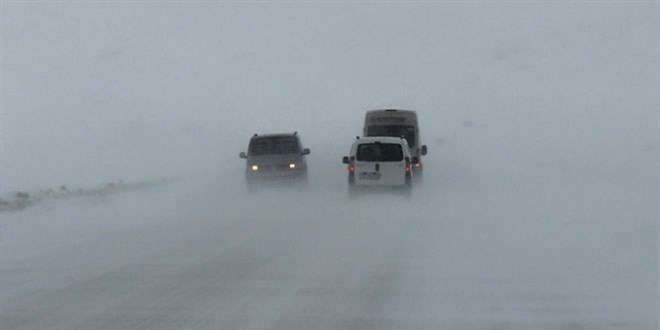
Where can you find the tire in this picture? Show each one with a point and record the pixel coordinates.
(303, 181)
(250, 186)
(407, 189)
(417, 174)
(352, 188)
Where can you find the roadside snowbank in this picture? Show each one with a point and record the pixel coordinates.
(19, 200)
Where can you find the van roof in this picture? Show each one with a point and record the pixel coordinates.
(390, 111)
(390, 117)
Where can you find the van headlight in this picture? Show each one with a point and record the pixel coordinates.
(292, 165)
(255, 168)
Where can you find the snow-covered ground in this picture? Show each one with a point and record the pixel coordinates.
(469, 251)
(538, 208)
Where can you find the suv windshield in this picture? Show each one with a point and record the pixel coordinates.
(408, 132)
(379, 152)
(273, 145)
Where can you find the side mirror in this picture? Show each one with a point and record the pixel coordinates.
(424, 150)
(242, 155)
(306, 151)
(345, 160)
(415, 160)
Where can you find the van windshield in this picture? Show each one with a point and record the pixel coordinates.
(407, 131)
(273, 145)
(379, 152)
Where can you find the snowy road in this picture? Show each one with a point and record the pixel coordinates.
(470, 252)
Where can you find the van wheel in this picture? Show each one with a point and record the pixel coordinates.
(407, 188)
(417, 177)
(407, 191)
(304, 182)
(352, 190)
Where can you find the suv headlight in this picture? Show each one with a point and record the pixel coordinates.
(255, 167)
(292, 165)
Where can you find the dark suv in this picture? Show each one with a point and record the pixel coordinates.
(274, 156)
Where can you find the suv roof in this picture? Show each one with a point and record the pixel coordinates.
(275, 135)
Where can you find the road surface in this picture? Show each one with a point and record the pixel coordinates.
(471, 250)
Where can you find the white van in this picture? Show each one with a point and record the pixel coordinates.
(397, 123)
(379, 161)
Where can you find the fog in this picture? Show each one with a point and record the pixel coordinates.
(538, 207)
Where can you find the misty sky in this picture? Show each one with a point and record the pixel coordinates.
(104, 91)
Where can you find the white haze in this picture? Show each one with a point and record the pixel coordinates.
(541, 120)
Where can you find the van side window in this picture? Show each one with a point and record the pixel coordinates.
(407, 131)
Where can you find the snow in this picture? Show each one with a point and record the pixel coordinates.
(538, 209)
